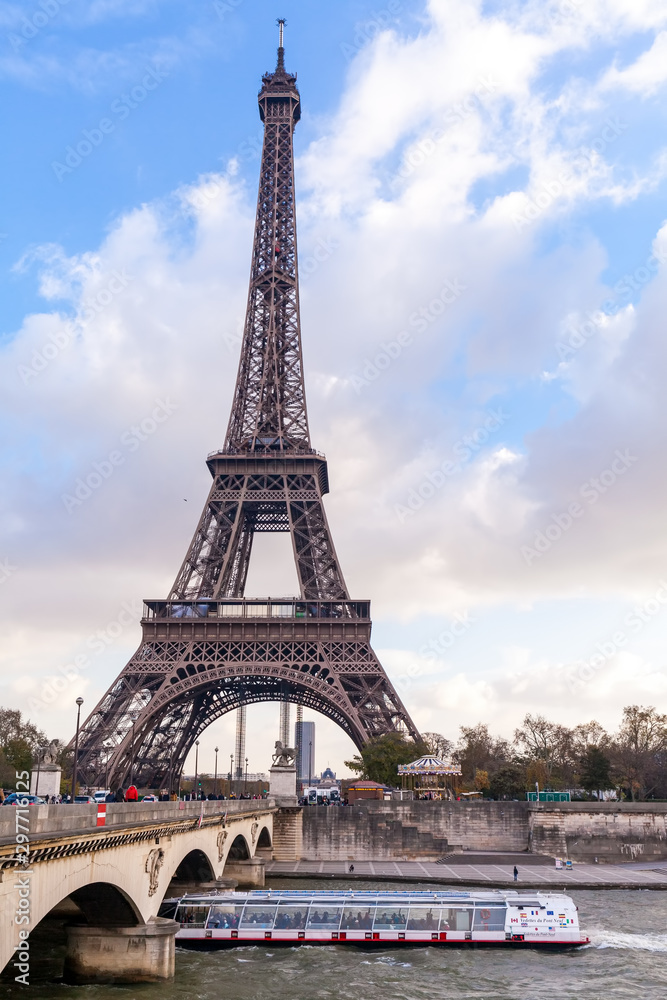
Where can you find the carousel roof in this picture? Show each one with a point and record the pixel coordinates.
(429, 765)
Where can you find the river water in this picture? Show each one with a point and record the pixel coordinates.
(626, 960)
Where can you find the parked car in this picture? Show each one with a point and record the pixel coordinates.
(149, 798)
(101, 794)
(84, 798)
(23, 798)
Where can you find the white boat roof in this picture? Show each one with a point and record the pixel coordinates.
(342, 896)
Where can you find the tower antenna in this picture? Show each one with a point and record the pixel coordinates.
(281, 22)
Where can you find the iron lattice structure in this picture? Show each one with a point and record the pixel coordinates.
(206, 650)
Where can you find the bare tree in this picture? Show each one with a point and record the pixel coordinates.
(437, 745)
(640, 749)
(548, 742)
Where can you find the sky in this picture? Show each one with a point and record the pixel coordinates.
(483, 253)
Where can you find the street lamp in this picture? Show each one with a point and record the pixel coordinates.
(215, 780)
(79, 703)
(231, 771)
(310, 761)
(196, 765)
(245, 784)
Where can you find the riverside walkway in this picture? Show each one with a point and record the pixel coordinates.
(486, 874)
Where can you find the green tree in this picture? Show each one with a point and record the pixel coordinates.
(378, 759)
(478, 750)
(595, 773)
(509, 781)
(14, 727)
(19, 754)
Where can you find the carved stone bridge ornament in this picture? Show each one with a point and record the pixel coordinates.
(154, 863)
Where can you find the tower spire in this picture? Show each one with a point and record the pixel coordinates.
(269, 408)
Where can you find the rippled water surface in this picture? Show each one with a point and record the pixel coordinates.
(627, 958)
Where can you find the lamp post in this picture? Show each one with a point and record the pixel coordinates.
(196, 764)
(79, 703)
(310, 761)
(245, 784)
(215, 780)
(39, 765)
(231, 771)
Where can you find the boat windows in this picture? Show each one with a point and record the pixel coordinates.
(357, 918)
(324, 918)
(489, 918)
(291, 918)
(423, 918)
(390, 918)
(260, 915)
(455, 919)
(192, 916)
(225, 917)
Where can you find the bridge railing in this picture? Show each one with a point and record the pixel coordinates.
(65, 819)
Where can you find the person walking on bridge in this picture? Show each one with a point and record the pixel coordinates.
(516, 874)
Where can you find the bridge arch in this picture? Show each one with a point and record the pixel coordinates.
(239, 850)
(194, 866)
(171, 720)
(264, 839)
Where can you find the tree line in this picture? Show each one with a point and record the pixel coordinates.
(631, 760)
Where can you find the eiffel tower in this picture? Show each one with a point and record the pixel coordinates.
(207, 650)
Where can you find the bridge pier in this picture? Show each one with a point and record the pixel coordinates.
(249, 874)
(141, 954)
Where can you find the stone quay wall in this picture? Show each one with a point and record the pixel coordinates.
(422, 830)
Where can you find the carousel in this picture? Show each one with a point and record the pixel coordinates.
(430, 778)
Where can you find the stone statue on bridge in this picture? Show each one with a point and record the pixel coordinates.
(283, 756)
(49, 755)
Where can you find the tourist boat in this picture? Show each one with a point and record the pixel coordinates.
(349, 916)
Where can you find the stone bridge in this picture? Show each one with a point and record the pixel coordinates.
(115, 876)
